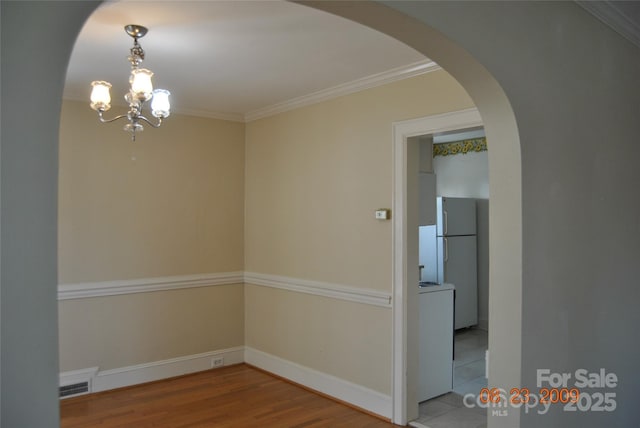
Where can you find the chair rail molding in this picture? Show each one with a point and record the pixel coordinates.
(144, 285)
(336, 291)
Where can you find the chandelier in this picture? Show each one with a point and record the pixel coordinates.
(141, 91)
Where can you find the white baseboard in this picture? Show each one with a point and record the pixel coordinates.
(354, 394)
(149, 372)
(357, 395)
(132, 375)
(78, 376)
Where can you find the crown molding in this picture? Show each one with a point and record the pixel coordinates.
(367, 82)
(231, 117)
(612, 14)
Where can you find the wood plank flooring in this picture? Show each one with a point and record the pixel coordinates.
(234, 396)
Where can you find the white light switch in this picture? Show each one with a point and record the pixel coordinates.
(383, 214)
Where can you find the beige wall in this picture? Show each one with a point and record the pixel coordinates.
(120, 331)
(291, 195)
(347, 340)
(314, 177)
(171, 203)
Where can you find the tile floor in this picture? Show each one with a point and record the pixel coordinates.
(449, 411)
(469, 361)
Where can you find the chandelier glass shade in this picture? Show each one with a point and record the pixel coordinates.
(140, 91)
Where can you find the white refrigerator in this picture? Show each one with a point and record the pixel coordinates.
(448, 252)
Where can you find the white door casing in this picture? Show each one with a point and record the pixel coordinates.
(405, 339)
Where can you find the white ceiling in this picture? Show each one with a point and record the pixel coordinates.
(233, 59)
(242, 60)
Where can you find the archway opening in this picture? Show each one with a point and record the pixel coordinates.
(505, 217)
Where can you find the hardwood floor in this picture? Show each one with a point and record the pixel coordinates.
(234, 396)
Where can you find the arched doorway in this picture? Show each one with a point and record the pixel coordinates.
(506, 212)
(505, 219)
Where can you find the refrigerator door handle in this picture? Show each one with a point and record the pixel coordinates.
(446, 249)
(446, 222)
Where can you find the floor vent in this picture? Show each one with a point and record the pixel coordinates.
(74, 389)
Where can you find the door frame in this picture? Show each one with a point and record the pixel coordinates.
(405, 195)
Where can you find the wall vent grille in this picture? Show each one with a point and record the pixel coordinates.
(74, 389)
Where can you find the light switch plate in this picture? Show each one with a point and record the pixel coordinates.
(383, 214)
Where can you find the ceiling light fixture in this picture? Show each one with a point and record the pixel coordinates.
(141, 91)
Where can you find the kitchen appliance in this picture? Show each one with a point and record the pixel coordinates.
(435, 344)
(448, 252)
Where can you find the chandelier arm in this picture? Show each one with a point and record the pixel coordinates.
(103, 120)
(141, 90)
(155, 125)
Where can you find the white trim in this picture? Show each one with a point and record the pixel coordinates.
(78, 376)
(360, 396)
(143, 285)
(443, 122)
(231, 117)
(402, 344)
(367, 82)
(612, 14)
(357, 395)
(335, 291)
(157, 370)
